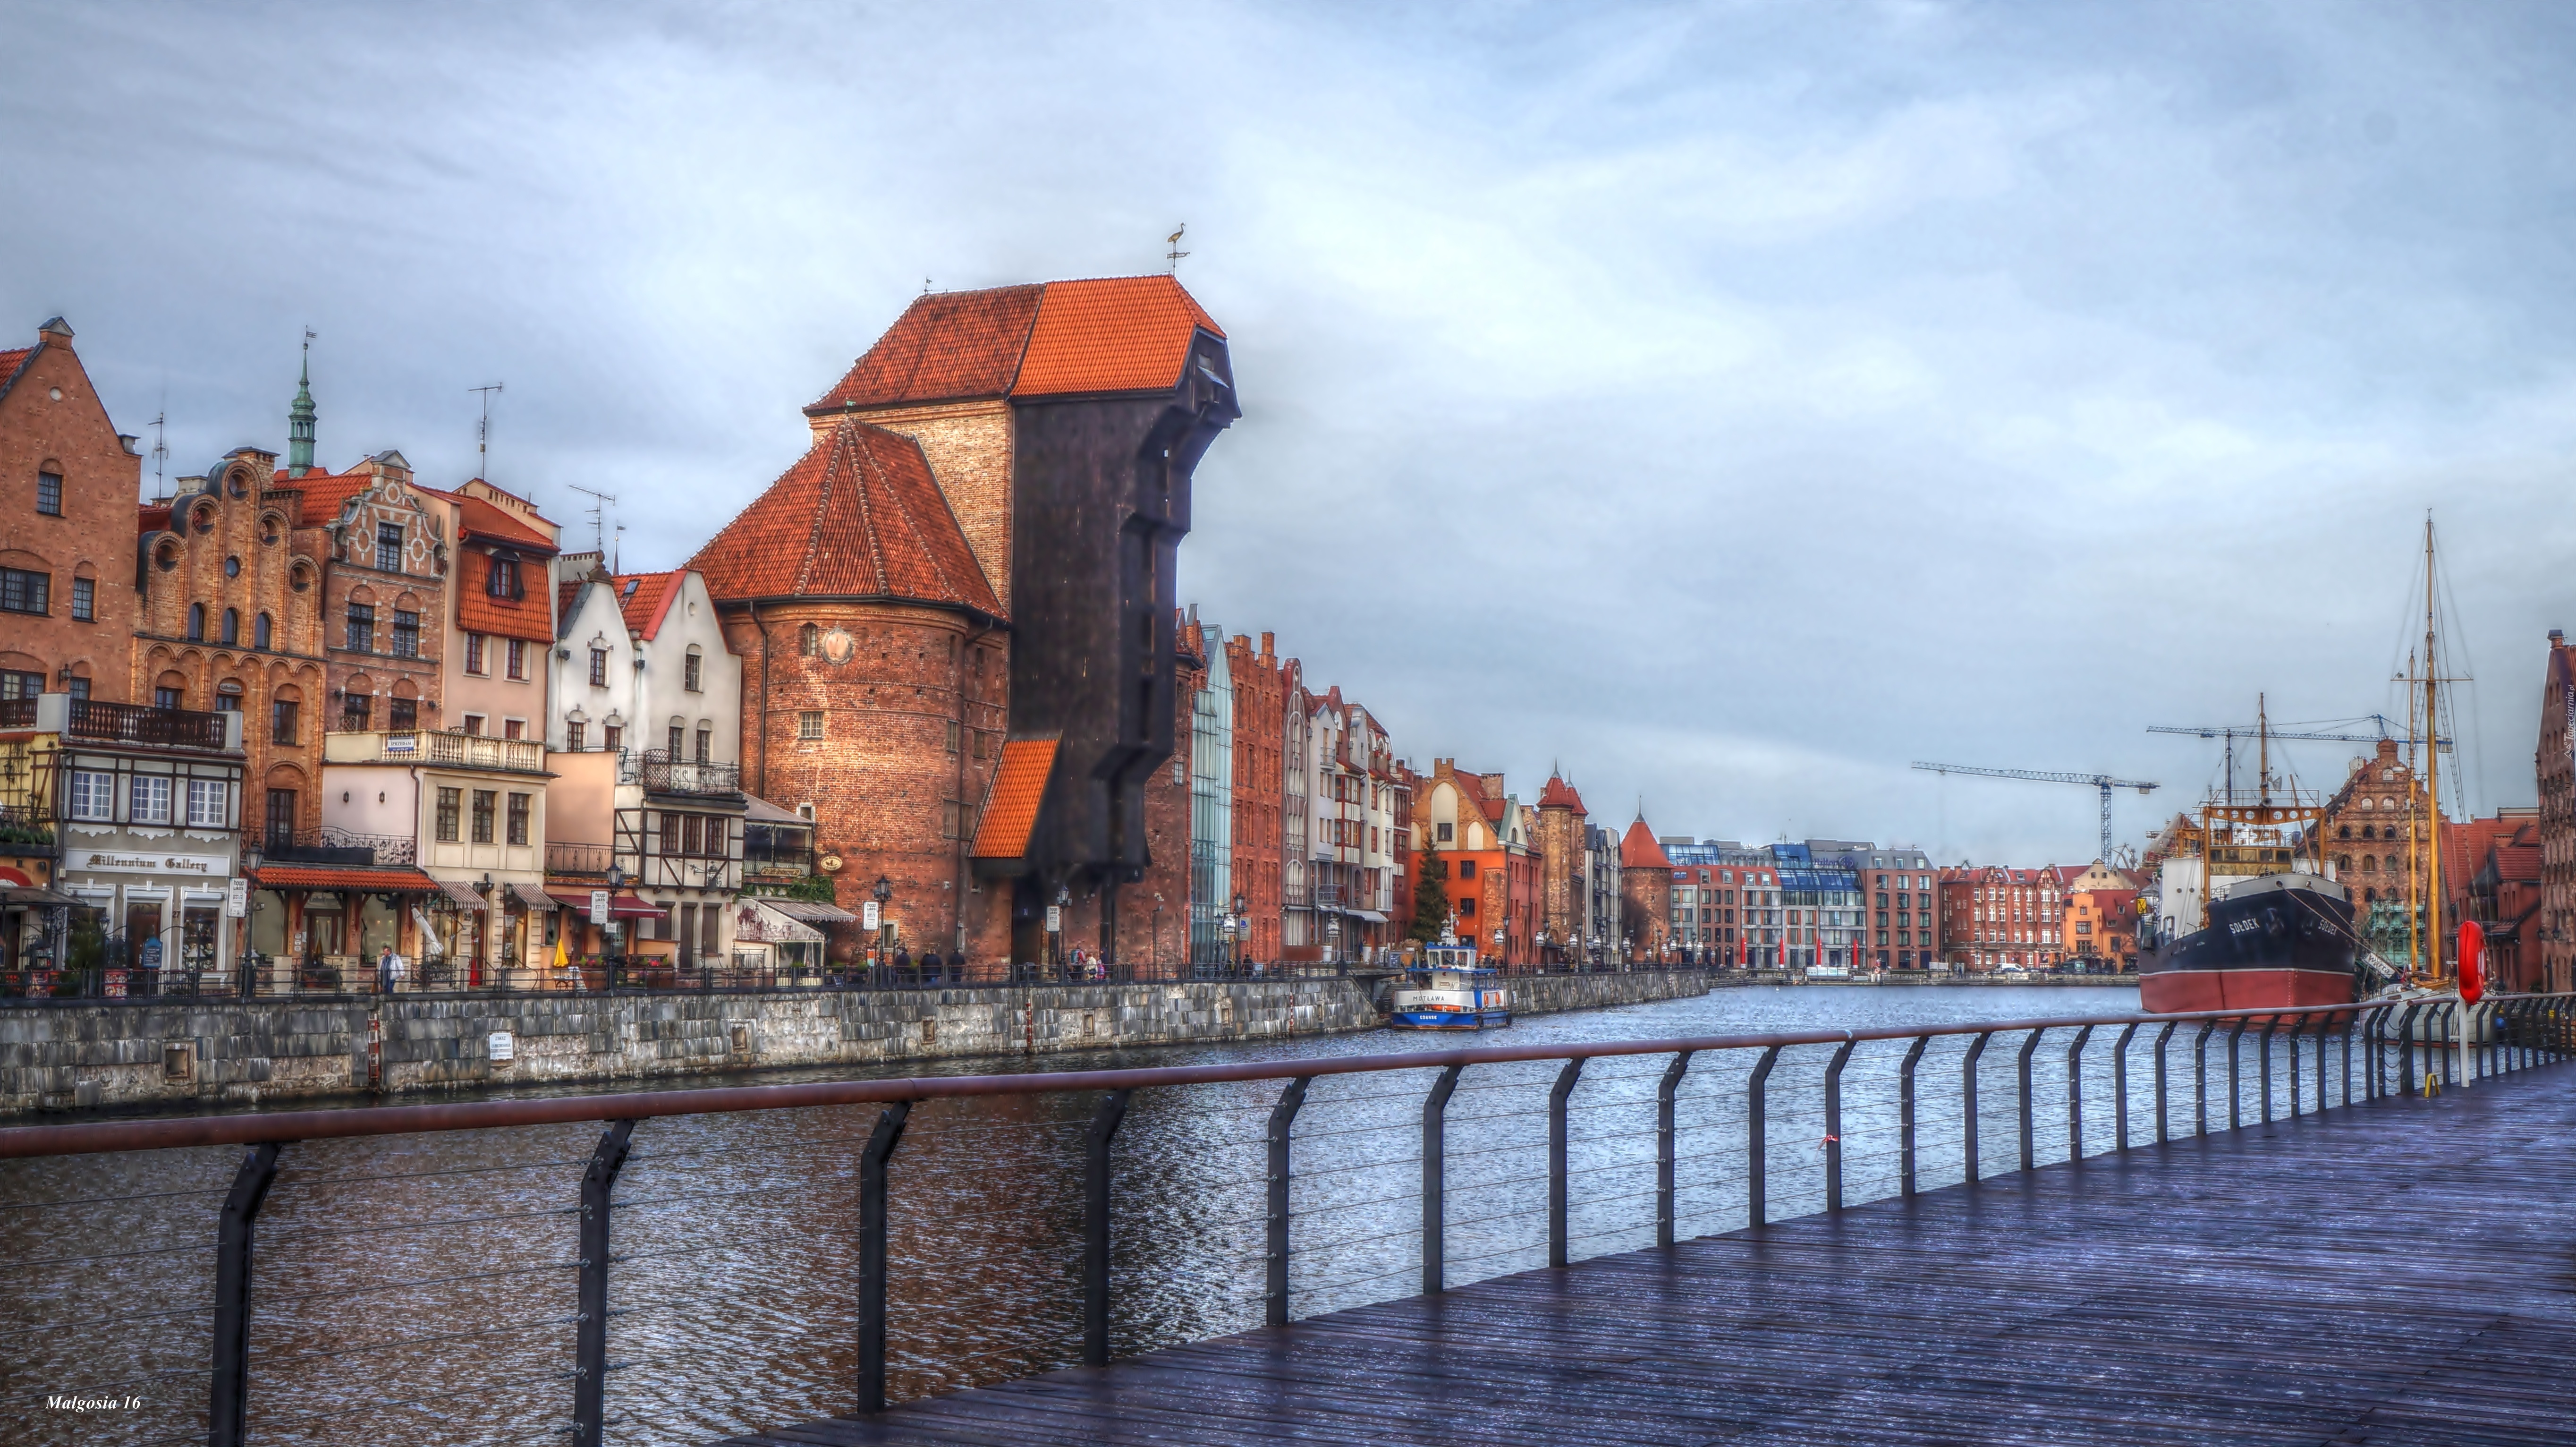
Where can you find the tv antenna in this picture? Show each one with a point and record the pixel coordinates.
(160, 454)
(1176, 253)
(621, 548)
(598, 538)
(483, 432)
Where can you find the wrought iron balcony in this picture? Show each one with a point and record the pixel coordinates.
(332, 845)
(660, 773)
(128, 723)
(426, 746)
(18, 713)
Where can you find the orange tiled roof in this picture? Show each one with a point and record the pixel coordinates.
(1019, 787)
(477, 611)
(480, 519)
(565, 593)
(858, 516)
(10, 363)
(644, 598)
(151, 517)
(1638, 849)
(1559, 793)
(1108, 334)
(290, 876)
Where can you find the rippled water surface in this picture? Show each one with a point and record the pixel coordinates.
(420, 1289)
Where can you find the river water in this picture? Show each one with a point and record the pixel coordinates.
(420, 1289)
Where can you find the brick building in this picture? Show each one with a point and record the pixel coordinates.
(1992, 917)
(68, 481)
(1645, 893)
(1260, 729)
(1484, 838)
(1564, 910)
(2491, 874)
(1904, 921)
(2101, 919)
(2551, 937)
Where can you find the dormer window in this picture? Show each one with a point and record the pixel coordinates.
(502, 579)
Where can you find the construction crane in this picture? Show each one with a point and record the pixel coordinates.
(2103, 782)
(2233, 732)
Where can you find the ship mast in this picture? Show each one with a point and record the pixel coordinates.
(2432, 770)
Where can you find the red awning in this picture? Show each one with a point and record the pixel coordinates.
(625, 904)
(355, 881)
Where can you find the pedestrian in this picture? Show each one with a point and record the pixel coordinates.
(903, 960)
(385, 971)
(930, 965)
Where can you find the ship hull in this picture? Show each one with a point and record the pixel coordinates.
(2268, 948)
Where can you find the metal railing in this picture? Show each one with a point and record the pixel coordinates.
(1689, 1101)
(333, 845)
(18, 713)
(130, 723)
(660, 773)
(579, 859)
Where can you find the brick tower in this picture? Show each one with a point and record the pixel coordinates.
(1645, 891)
(1561, 817)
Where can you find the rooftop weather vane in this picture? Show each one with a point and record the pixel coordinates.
(483, 432)
(1176, 253)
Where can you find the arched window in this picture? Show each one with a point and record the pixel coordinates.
(809, 640)
(259, 632)
(2368, 833)
(2370, 896)
(2344, 833)
(196, 622)
(2343, 864)
(232, 626)
(2370, 864)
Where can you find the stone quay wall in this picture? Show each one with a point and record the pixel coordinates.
(80, 1056)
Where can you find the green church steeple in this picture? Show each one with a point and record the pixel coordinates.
(299, 418)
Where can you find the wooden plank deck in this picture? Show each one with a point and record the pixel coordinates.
(2399, 1273)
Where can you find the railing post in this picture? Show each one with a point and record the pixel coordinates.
(2455, 1033)
(2263, 1058)
(1834, 1125)
(872, 1252)
(2120, 1088)
(1968, 1099)
(1664, 1146)
(228, 1398)
(1556, 1098)
(2162, 1135)
(2075, 1094)
(2029, 1048)
(1095, 1229)
(2350, 1023)
(2235, 1108)
(2324, 1023)
(1905, 1115)
(1435, 1109)
(1756, 1146)
(2407, 1084)
(2296, 1026)
(1274, 1296)
(2200, 1078)
(590, 1331)
(2372, 1025)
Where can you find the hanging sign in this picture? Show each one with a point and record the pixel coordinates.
(599, 906)
(237, 898)
(869, 915)
(1055, 919)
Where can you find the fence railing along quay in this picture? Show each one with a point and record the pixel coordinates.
(1306, 1162)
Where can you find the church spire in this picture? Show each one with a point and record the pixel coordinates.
(299, 418)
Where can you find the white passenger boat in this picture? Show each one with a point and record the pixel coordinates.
(1450, 991)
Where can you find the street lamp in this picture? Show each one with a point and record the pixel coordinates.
(1237, 930)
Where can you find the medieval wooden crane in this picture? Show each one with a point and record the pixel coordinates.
(2103, 782)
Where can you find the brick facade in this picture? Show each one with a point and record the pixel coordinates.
(1260, 726)
(1563, 905)
(67, 488)
(2553, 933)
(1645, 893)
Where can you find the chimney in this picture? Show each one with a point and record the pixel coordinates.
(56, 332)
(2557, 637)
(1265, 647)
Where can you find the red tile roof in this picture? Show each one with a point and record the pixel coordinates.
(478, 611)
(858, 516)
(1559, 793)
(1638, 849)
(480, 519)
(1110, 334)
(645, 599)
(291, 876)
(10, 362)
(565, 593)
(1019, 787)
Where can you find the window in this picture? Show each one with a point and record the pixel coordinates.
(14, 684)
(1467, 908)
(1448, 832)
(1466, 869)
(612, 738)
(362, 628)
(474, 724)
(281, 817)
(809, 724)
(809, 640)
(501, 580)
(954, 729)
(599, 668)
(93, 795)
(228, 698)
(406, 633)
(484, 802)
(148, 799)
(690, 677)
(572, 736)
(259, 632)
(169, 697)
(77, 687)
(706, 745)
(475, 662)
(402, 713)
(85, 600)
(209, 803)
(281, 721)
(355, 711)
(514, 728)
(389, 547)
(516, 662)
(518, 818)
(49, 493)
(231, 634)
(448, 802)
(676, 735)
(670, 833)
(689, 834)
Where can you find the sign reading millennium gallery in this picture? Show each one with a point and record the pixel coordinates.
(111, 861)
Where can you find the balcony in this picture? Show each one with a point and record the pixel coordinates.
(334, 846)
(18, 713)
(127, 723)
(660, 773)
(446, 750)
(580, 861)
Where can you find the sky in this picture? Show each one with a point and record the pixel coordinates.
(1732, 404)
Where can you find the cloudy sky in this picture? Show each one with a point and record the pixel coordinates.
(1733, 402)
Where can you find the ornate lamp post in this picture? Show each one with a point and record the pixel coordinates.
(882, 891)
(1237, 923)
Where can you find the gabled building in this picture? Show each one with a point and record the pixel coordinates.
(1563, 889)
(1645, 894)
(2551, 937)
(68, 481)
(1488, 843)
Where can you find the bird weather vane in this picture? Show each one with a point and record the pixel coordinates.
(1176, 253)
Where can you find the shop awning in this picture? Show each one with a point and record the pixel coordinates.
(353, 881)
(1369, 915)
(33, 896)
(761, 922)
(811, 911)
(463, 894)
(625, 904)
(535, 898)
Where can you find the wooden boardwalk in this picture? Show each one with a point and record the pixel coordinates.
(2399, 1273)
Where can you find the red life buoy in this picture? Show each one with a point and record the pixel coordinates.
(2473, 971)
